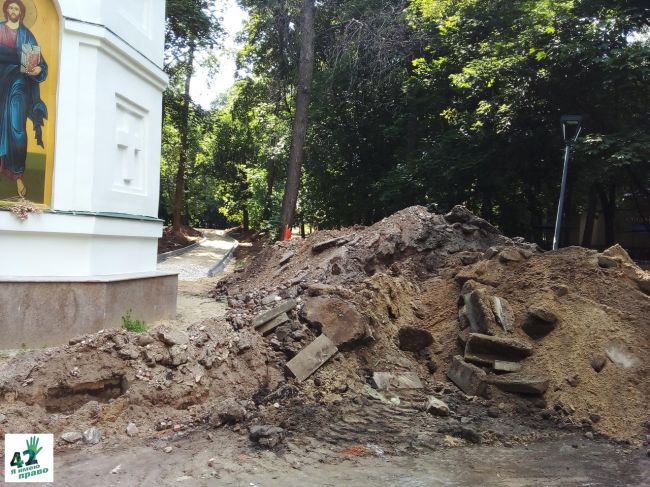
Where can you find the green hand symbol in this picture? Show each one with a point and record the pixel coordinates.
(32, 450)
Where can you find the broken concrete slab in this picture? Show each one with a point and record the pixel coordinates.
(267, 316)
(312, 357)
(503, 366)
(469, 378)
(266, 435)
(385, 381)
(171, 336)
(437, 407)
(286, 258)
(228, 411)
(498, 347)
(503, 313)
(478, 306)
(413, 339)
(539, 322)
(598, 362)
(337, 319)
(333, 242)
(463, 320)
(273, 324)
(509, 254)
(459, 214)
(320, 289)
(519, 384)
(607, 262)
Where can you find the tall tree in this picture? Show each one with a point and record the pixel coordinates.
(303, 94)
(192, 26)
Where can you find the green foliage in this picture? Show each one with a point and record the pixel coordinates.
(132, 325)
(432, 102)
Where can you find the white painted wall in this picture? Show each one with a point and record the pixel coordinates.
(107, 151)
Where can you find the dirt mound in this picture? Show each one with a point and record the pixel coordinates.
(582, 314)
(566, 331)
(163, 379)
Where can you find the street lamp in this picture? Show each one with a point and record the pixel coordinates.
(571, 126)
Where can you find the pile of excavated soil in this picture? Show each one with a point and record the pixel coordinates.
(409, 270)
(397, 298)
(160, 380)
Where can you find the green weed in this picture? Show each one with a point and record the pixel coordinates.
(134, 326)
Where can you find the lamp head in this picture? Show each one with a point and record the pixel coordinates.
(571, 127)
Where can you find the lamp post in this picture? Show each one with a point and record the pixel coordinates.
(571, 126)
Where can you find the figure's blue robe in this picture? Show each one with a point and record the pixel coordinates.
(20, 99)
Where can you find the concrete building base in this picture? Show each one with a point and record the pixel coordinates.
(41, 312)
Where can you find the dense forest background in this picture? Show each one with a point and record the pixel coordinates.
(430, 102)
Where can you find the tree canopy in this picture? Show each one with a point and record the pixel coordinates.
(435, 102)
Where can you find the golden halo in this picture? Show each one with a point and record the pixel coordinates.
(31, 13)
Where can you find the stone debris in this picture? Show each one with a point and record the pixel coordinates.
(385, 381)
(495, 348)
(389, 299)
(131, 429)
(337, 319)
(286, 258)
(469, 378)
(519, 384)
(267, 436)
(172, 336)
(72, 436)
(228, 411)
(278, 310)
(413, 339)
(598, 362)
(478, 307)
(437, 407)
(539, 322)
(503, 313)
(269, 326)
(510, 254)
(333, 242)
(311, 358)
(502, 366)
(607, 262)
(92, 435)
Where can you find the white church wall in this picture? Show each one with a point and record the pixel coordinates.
(107, 154)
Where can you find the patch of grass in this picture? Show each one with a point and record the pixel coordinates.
(134, 326)
(240, 264)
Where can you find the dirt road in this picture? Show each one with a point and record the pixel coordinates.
(228, 459)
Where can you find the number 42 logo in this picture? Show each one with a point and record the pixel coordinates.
(31, 452)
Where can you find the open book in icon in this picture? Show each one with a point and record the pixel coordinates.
(31, 57)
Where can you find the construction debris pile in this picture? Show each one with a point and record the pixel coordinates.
(440, 312)
(450, 298)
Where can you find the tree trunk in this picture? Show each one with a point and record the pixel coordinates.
(608, 202)
(590, 218)
(303, 92)
(246, 222)
(270, 183)
(183, 156)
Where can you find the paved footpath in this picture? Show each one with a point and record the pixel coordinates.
(198, 262)
(194, 281)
